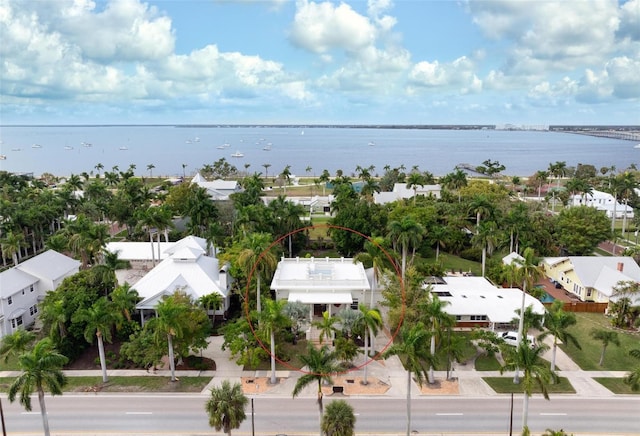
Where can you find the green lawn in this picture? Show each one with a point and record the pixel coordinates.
(616, 358)
(127, 384)
(616, 385)
(505, 385)
(487, 363)
(452, 262)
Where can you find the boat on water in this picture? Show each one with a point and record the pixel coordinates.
(371, 143)
(124, 148)
(36, 146)
(637, 146)
(3, 157)
(16, 149)
(86, 144)
(68, 147)
(267, 147)
(237, 154)
(221, 147)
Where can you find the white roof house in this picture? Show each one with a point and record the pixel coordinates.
(321, 281)
(602, 201)
(141, 252)
(187, 269)
(217, 189)
(592, 278)
(475, 301)
(23, 286)
(400, 191)
(512, 257)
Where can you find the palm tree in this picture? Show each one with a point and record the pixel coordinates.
(535, 372)
(16, 343)
(482, 207)
(624, 292)
(405, 233)
(414, 180)
(150, 168)
(211, 302)
(326, 325)
(375, 254)
(486, 239)
(529, 271)
(273, 318)
(124, 299)
(454, 181)
(370, 321)
(413, 350)
(324, 179)
(11, 245)
(557, 323)
(285, 175)
(606, 337)
(226, 407)
(320, 364)
(99, 167)
(338, 419)
(633, 377)
(258, 259)
(437, 320)
(169, 324)
(266, 170)
(99, 319)
(184, 173)
(41, 369)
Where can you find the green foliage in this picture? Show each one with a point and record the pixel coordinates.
(580, 229)
(338, 419)
(362, 216)
(142, 349)
(242, 343)
(225, 407)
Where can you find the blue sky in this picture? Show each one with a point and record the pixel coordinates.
(316, 62)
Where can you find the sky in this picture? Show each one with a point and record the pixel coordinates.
(527, 63)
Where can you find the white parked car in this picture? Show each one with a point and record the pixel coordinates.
(511, 338)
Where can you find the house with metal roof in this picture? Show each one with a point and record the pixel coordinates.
(25, 285)
(186, 268)
(602, 201)
(591, 278)
(476, 302)
(217, 189)
(401, 191)
(325, 284)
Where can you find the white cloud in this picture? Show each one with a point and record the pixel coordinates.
(459, 74)
(321, 27)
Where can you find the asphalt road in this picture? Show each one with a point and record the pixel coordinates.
(113, 414)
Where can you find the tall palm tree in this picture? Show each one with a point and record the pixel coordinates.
(437, 321)
(258, 259)
(624, 292)
(557, 323)
(169, 324)
(16, 343)
(211, 302)
(99, 319)
(266, 170)
(225, 407)
(41, 369)
(535, 372)
(370, 321)
(529, 271)
(320, 364)
(324, 179)
(412, 348)
(273, 318)
(338, 419)
(482, 207)
(607, 337)
(150, 168)
(486, 239)
(11, 245)
(414, 180)
(405, 233)
(378, 259)
(285, 175)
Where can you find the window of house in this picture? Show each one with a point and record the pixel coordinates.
(31, 288)
(10, 300)
(33, 310)
(589, 293)
(16, 322)
(354, 305)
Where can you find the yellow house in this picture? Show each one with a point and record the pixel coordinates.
(591, 278)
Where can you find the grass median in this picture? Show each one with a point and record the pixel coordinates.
(127, 384)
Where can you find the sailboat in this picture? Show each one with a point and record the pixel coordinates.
(237, 154)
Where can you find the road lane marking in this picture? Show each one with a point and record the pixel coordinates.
(553, 414)
(138, 413)
(449, 414)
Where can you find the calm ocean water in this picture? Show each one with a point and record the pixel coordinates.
(168, 148)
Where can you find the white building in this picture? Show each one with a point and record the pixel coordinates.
(474, 301)
(217, 189)
(186, 267)
(23, 286)
(326, 284)
(602, 201)
(400, 192)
